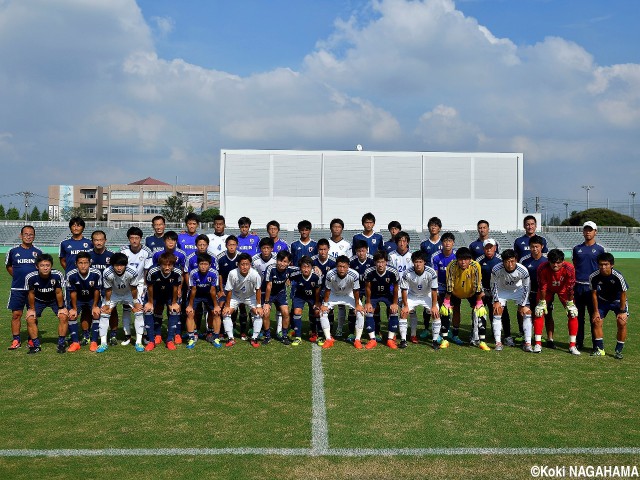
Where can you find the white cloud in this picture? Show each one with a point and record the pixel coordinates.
(164, 25)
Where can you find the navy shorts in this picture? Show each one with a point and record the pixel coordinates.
(279, 300)
(301, 302)
(40, 306)
(17, 299)
(606, 307)
(207, 304)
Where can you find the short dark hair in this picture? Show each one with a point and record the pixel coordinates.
(323, 241)
(76, 221)
(418, 255)
(394, 224)
(282, 254)
(368, 217)
(204, 257)
(380, 255)
(266, 241)
(170, 235)
(83, 254)
(529, 217)
(338, 221)
(119, 259)
(156, 218)
(400, 235)
(360, 244)
(434, 221)
(167, 258)
(606, 257)
(342, 259)
(508, 254)
(244, 221)
(244, 256)
(448, 236)
(202, 236)
(217, 218)
(555, 255)
(27, 226)
(305, 260)
(274, 223)
(45, 257)
(98, 232)
(231, 238)
(192, 216)
(463, 253)
(136, 231)
(537, 239)
(304, 225)
(481, 222)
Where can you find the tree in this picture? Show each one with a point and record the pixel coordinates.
(555, 220)
(207, 215)
(68, 213)
(35, 215)
(602, 217)
(174, 209)
(13, 214)
(45, 216)
(3, 214)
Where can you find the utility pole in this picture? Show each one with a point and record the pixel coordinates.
(26, 196)
(537, 204)
(633, 204)
(587, 188)
(566, 209)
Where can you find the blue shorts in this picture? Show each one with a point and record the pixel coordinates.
(17, 300)
(606, 307)
(301, 302)
(40, 306)
(376, 301)
(207, 304)
(279, 300)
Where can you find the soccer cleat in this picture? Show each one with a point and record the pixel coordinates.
(113, 340)
(177, 340)
(157, 340)
(93, 346)
(519, 338)
(15, 345)
(550, 344)
(371, 344)
(618, 355)
(85, 341)
(392, 344)
(216, 343)
(320, 341)
(33, 350)
(74, 347)
(474, 343)
(296, 342)
(403, 344)
(509, 342)
(527, 348)
(328, 343)
(413, 339)
(498, 347)
(313, 337)
(243, 337)
(139, 347)
(537, 348)
(456, 339)
(444, 343)
(102, 348)
(285, 340)
(423, 335)
(230, 343)
(171, 346)
(437, 346)
(351, 338)
(483, 346)
(266, 340)
(279, 336)
(150, 346)
(357, 344)
(61, 349)
(255, 343)
(574, 351)
(191, 344)
(598, 352)
(378, 338)
(30, 343)
(209, 337)
(338, 333)
(126, 341)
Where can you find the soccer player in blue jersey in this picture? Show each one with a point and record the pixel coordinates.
(304, 246)
(374, 240)
(440, 261)
(203, 281)
(218, 238)
(100, 260)
(382, 287)
(273, 229)
(46, 289)
(187, 240)
(394, 228)
(305, 290)
(361, 261)
(432, 244)
(532, 261)
(521, 244)
(84, 287)
(163, 290)
(155, 242)
(275, 292)
(20, 261)
(609, 294)
(202, 246)
(585, 261)
(477, 247)
(70, 247)
(247, 242)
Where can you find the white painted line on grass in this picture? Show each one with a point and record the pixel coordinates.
(319, 425)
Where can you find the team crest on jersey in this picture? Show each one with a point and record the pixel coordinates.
(310, 249)
(386, 280)
(593, 250)
(91, 283)
(373, 241)
(85, 245)
(251, 240)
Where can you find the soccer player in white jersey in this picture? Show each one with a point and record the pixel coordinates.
(121, 286)
(342, 287)
(243, 287)
(338, 245)
(419, 287)
(139, 257)
(510, 281)
(217, 239)
(401, 258)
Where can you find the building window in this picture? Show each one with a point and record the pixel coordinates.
(88, 194)
(105, 197)
(156, 195)
(124, 194)
(125, 209)
(152, 209)
(213, 196)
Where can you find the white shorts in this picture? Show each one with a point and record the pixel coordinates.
(413, 302)
(122, 299)
(341, 300)
(235, 302)
(503, 297)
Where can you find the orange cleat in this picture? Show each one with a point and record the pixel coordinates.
(178, 339)
(93, 347)
(328, 343)
(357, 344)
(150, 346)
(171, 346)
(15, 345)
(392, 344)
(74, 347)
(371, 344)
(157, 340)
(313, 337)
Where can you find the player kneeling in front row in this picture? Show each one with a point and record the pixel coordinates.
(163, 290)
(342, 287)
(120, 283)
(276, 277)
(510, 281)
(382, 287)
(46, 289)
(84, 285)
(419, 286)
(608, 293)
(555, 277)
(243, 287)
(203, 297)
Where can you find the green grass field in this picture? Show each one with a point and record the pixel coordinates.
(263, 398)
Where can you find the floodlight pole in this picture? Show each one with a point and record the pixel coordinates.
(587, 188)
(633, 204)
(566, 209)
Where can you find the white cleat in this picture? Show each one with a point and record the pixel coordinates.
(537, 348)
(527, 348)
(126, 342)
(574, 351)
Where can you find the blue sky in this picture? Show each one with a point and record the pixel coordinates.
(97, 92)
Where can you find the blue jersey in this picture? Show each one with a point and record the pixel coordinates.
(430, 249)
(381, 284)
(225, 265)
(100, 261)
(44, 289)
(69, 248)
(203, 282)
(375, 241)
(280, 245)
(85, 287)
(23, 262)
(278, 278)
(305, 287)
(299, 250)
(477, 249)
(521, 246)
(192, 262)
(389, 246)
(180, 255)
(163, 285)
(439, 262)
(328, 265)
(187, 243)
(531, 264)
(361, 267)
(585, 260)
(249, 244)
(486, 266)
(609, 289)
(153, 243)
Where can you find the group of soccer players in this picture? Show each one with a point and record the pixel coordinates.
(227, 279)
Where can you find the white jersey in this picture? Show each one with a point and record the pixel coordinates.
(514, 285)
(243, 288)
(139, 261)
(343, 247)
(342, 286)
(217, 244)
(400, 262)
(261, 265)
(120, 285)
(419, 286)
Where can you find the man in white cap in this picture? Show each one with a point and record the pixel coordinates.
(585, 261)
